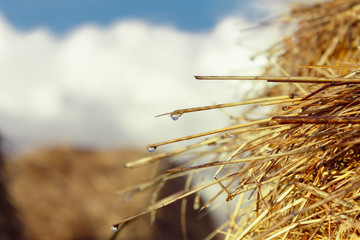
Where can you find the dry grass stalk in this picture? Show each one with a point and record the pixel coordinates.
(301, 165)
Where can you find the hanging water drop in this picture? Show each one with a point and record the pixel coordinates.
(115, 227)
(229, 135)
(151, 148)
(175, 116)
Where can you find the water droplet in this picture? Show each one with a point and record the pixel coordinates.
(175, 116)
(151, 148)
(229, 135)
(115, 227)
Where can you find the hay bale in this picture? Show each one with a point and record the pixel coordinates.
(327, 34)
(68, 193)
(11, 228)
(299, 165)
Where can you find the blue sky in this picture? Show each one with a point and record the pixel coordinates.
(62, 16)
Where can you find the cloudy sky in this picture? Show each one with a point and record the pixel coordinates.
(95, 73)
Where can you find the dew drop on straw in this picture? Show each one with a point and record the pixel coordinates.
(229, 135)
(115, 227)
(175, 116)
(151, 148)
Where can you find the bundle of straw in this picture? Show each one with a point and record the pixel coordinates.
(300, 166)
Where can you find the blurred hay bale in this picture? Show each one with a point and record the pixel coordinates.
(11, 228)
(67, 193)
(70, 194)
(299, 166)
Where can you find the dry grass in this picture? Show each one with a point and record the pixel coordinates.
(300, 165)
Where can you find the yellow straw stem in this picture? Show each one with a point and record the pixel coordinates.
(283, 79)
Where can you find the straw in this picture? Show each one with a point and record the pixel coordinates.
(298, 167)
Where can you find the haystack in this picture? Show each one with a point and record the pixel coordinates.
(294, 174)
(67, 193)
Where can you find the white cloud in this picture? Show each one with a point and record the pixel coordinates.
(103, 86)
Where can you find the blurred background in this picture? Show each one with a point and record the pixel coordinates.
(82, 82)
